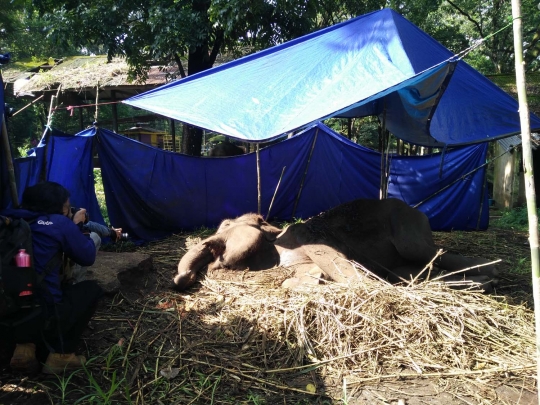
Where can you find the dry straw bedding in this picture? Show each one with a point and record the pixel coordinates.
(370, 331)
(373, 329)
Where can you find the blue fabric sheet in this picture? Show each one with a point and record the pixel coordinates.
(68, 162)
(152, 193)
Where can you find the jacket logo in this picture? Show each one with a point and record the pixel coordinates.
(41, 222)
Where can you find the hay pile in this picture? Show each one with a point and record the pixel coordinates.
(372, 329)
(248, 330)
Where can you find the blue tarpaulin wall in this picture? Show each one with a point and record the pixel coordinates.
(151, 193)
(65, 159)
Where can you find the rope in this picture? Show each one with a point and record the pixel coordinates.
(464, 53)
(70, 108)
(462, 177)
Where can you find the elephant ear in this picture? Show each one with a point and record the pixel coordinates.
(216, 245)
(270, 231)
(332, 262)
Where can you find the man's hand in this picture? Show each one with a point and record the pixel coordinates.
(118, 232)
(79, 216)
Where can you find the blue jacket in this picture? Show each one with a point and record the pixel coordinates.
(51, 234)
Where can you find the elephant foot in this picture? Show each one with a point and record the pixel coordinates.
(475, 266)
(313, 276)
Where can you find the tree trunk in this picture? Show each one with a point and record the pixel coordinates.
(199, 60)
(191, 140)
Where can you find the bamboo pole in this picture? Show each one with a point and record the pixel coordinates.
(51, 112)
(28, 105)
(382, 139)
(529, 174)
(275, 192)
(9, 164)
(96, 114)
(305, 173)
(258, 181)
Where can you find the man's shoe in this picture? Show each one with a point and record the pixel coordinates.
(24, 359)
(58, 363)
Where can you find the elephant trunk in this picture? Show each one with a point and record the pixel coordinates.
(192, 262)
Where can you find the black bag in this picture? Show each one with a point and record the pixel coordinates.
(17, 284)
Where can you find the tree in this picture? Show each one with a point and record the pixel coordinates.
(492, 21)
(169, 32)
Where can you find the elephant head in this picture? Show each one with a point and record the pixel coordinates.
(244, 242)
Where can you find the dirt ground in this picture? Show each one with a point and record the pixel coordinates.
(140, 337)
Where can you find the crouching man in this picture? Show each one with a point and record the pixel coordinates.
(67, 308)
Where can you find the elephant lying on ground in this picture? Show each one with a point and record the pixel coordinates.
(387, 237)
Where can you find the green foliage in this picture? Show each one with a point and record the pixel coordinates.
(100, 194)
(520, 265)
(169, 32)
(364, 131)
(516, 219)
(216, 139)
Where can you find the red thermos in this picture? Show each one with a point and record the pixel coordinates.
(22, 259)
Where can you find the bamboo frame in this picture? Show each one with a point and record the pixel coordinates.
(305, 173)
(275, 192)
(258, 180)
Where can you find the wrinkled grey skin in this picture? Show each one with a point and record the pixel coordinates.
(387, 237)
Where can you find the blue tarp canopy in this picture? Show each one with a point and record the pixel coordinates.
(378, 63)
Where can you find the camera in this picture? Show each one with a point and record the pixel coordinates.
(117, 238)
(75, 210)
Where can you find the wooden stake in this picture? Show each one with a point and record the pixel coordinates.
(275, 192)
(529, 174)
(305, 173)
(28, 105)
(96, 115)
(382, 143)
(51, 112)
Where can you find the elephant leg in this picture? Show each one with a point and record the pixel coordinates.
(404, 273)
(329, 260)
(412, 237)
(305, 274)
(482, 283)
(475, 265)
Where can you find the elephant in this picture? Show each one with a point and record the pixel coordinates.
(387, 237)
(226, 149)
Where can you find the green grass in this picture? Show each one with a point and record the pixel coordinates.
(106, 381)
(515, 219)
